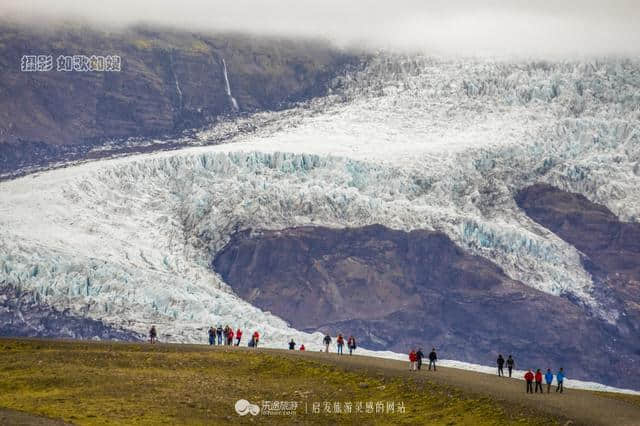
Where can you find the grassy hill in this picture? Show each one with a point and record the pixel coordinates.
(104, 382)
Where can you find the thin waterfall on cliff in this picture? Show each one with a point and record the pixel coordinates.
(234, 103)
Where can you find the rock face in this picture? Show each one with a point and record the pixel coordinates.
(611, 248)
(396, 290)
(169, 81)
(21, 315)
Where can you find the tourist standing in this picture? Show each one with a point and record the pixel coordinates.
(327, 342)
(351, 343)
(529, 378)
(433, 357)
(539, 381)
(219, 334)
(153, 334)
(340, 341)
(548, 377)
(510, 364)
(412, 360)
(500, 362)
(560, 379)
(419, 356)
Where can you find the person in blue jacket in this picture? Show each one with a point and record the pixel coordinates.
(548, 377)
(560, 378)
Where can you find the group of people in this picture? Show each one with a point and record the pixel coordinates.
(226, 335)
(501, 362)
(530, 377)
(415, 359)
(292, 346)
(351, 343)
(548, 378)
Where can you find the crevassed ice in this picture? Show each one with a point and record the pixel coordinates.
(407, 142)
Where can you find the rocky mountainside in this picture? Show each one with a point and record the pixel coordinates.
(23, 315)
(396, 289)
(611, 247)
(169, 81)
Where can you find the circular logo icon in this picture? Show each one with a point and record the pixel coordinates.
(244, 407)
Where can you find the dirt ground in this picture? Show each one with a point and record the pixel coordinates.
(578, 406)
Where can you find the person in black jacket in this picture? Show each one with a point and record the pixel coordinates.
(219, 333)
(292, 345)
(153, 334)
(419, 356)
(212, 336)
(351, 343)
(510, 364)
(432, 359)
(500, 362)
(327, 342)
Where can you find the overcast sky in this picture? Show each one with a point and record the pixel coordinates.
(469, 27)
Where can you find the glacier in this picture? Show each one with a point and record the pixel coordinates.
(408, 142)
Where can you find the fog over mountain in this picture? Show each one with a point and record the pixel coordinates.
(493, 28)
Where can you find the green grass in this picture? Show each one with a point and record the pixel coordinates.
(98, 383)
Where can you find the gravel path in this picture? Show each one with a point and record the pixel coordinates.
(577, 406)
(18, 418)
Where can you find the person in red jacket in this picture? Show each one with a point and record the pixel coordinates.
(230, 337)
(412, 360)
(529, 378)
(238, 336)
(340, 342)
(256, 338)
(539, 380)
(302, 347)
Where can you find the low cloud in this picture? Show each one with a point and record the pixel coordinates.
(495, 28)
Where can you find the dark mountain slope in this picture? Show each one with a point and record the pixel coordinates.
(396, 290)
(611, 248)
(169, 81)
(22, 315)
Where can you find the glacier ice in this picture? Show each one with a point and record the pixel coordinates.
(407, 142)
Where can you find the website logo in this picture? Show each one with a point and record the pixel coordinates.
(244, 407)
